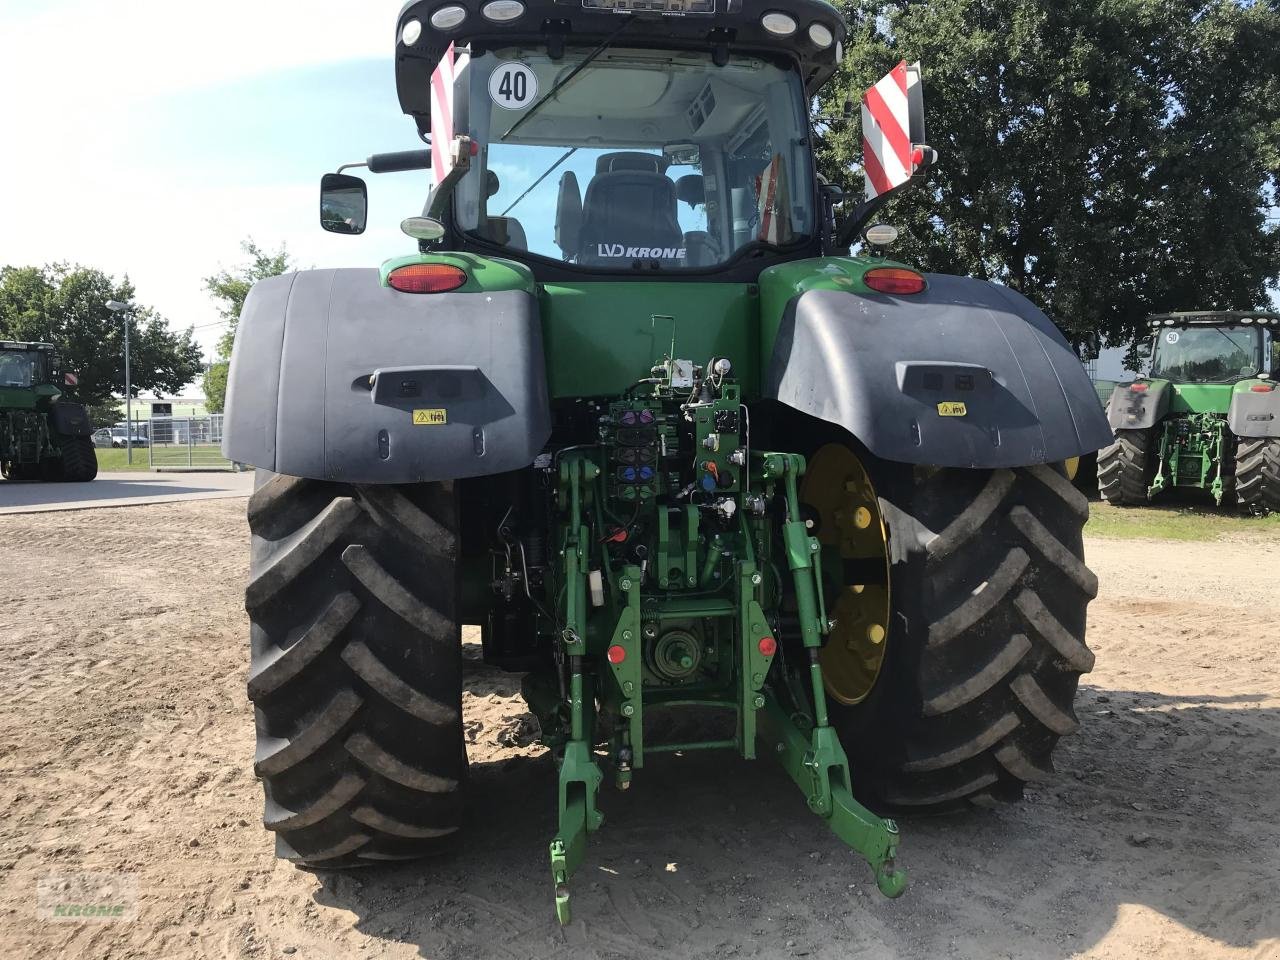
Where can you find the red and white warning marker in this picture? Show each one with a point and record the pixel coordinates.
(893, 130)
(442, 86)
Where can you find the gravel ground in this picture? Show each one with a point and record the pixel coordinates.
(126, 744)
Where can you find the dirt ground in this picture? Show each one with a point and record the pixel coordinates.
(126, 744)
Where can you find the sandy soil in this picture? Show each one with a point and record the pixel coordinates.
(126, 743)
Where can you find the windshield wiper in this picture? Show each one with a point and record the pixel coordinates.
(545, 173)
(604, 45)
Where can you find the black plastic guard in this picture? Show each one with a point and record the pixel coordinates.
(1255, 415)
(885, 368)
(335, 377)
(1139, 411)
(70, 419)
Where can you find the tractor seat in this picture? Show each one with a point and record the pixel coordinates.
(629, 215)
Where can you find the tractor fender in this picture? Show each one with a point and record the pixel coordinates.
(336, 377)
(894, 372)
(1139, 411)
(70, 419)
(1253, 414)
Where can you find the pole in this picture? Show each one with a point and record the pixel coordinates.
(128, 391)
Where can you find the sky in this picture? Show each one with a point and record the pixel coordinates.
(150, 139)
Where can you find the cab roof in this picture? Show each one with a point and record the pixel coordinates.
(1215, 318)
(20, 345)
(731, 25)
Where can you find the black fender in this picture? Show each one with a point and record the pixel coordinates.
(1255, 414)
(888, 368)
(335, 377)
(1127, 410)
(69, 419)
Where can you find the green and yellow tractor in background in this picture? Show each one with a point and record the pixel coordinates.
(632, 407)
(1206, 417)
(42, 436)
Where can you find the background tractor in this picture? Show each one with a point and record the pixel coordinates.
(1207, 417)
(708, 481)
(42, 436)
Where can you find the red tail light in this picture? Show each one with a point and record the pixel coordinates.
(895, 280)
(1262, 388)
(426, 278)
(1137, 388)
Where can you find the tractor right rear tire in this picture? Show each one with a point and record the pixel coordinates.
(985, 645)
(79, 459)
(356, 668)
(1258, 475)
(1125, 468)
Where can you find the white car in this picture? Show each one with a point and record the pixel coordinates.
(116, 437)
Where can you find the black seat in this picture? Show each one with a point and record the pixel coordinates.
(630, 215)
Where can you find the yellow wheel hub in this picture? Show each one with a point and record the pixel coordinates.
(850, 528)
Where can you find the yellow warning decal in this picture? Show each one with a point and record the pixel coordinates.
(952, 408)
(433, 417)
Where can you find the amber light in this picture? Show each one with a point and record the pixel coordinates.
(896, 280)
(426, 278)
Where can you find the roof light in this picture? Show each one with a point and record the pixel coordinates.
(779, 24)
(1168, 323)
(411, 33)
(426, 278)
(820, 35)
(1246, 319)
(502, 11)
(446, 18)
(895, 280)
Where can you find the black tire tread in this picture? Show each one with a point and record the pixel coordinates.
(79, 459)
(356, 672)
(988, 640)
(1124, 468)
(1258, 475)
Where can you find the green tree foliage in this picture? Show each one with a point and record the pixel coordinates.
(1106, 160)
(66, 305)
(230, 288)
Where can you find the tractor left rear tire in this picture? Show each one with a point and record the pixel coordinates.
(79, 460)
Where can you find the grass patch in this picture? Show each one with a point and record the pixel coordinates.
(1176, 521)
(113, 459)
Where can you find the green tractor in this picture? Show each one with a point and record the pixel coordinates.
(1206, 418)
(706, 480)
(42, 436)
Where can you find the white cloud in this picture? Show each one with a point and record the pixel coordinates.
(78, 85)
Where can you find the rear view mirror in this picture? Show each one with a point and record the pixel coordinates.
(681, 154)
(344, 203)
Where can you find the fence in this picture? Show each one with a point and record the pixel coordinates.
(187, 443)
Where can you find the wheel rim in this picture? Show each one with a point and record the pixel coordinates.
(855, 566)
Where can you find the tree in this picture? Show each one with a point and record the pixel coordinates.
(230, 288)
(1105, 160)
(66, 306)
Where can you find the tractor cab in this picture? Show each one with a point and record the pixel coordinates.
(28, 367)
(1220, 347)
(617, 135)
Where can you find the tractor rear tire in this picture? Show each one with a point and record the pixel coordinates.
(985, 648)
(356, 668)
(79, 460)
(1258, 475)
(1125, 468)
